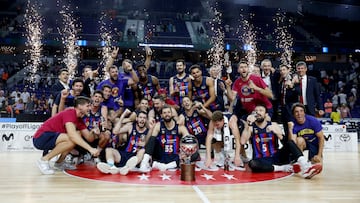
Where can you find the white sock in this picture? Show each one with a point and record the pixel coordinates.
(145, 160)
(278, 168)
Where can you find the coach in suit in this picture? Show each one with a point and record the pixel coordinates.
(309, 91)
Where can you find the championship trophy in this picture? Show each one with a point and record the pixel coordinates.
(188, 147)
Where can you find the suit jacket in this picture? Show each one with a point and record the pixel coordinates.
(56, 88)
(291, 97)
(313, 96)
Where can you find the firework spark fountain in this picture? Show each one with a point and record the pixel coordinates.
(284, 38)
(247, 35)
(69, 39)
(216, 52)
(106, 38)
(33, 26)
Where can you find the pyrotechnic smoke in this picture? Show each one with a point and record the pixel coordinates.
(284, 39)
(69, 38)
(247, 35)
(216, 52)
(106, 37)
(34, 35)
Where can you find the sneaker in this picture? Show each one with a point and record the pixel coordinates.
(158, 165)
(44, 167)
(73, 159)
(219, 161)
(312, 170)
(87, 157)
(244, 159)
(106, 168)
(97, 160)
(64, 166)
(130, 164)
(232, 167)
(201, 165)
(144, 168)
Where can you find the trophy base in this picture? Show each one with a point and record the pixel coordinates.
(188, 172)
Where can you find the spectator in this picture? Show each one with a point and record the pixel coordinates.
(345, 111)
(328, 108)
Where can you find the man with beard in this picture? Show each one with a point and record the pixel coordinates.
(267, 155)
(129, 90)
(66, 97)
(196, 118)
(127, 157)
(178, 84)
(164, 143)
(250, 90)
(202, 88)
(148, 85)
(223, 135)
(117, 85)
(155, 112)
(61, 133)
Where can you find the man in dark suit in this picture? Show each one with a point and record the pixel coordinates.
(271, 78)
(61, 83)
(309, 91)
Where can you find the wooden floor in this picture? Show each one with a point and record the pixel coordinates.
(21, 181)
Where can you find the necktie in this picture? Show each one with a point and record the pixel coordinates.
(301, 99)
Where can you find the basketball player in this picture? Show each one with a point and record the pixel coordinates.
(306, 132)
(131, 154)
(164, 143)
(223, 134)
(61, 133)
(267, 155)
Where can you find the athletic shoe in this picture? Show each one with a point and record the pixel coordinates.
(130, 164)
(73, 159)
(44, 167)
(145, 169)
(87, 157)
(64, 166)
(158, 165)
(232, 167)
(244, 159)
(106, 168)
(201, 165)
(97, 160)
(312, 170)
(219, 161)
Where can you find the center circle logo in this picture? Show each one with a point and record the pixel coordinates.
(156, 177)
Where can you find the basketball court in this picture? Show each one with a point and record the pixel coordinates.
(21, 181)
